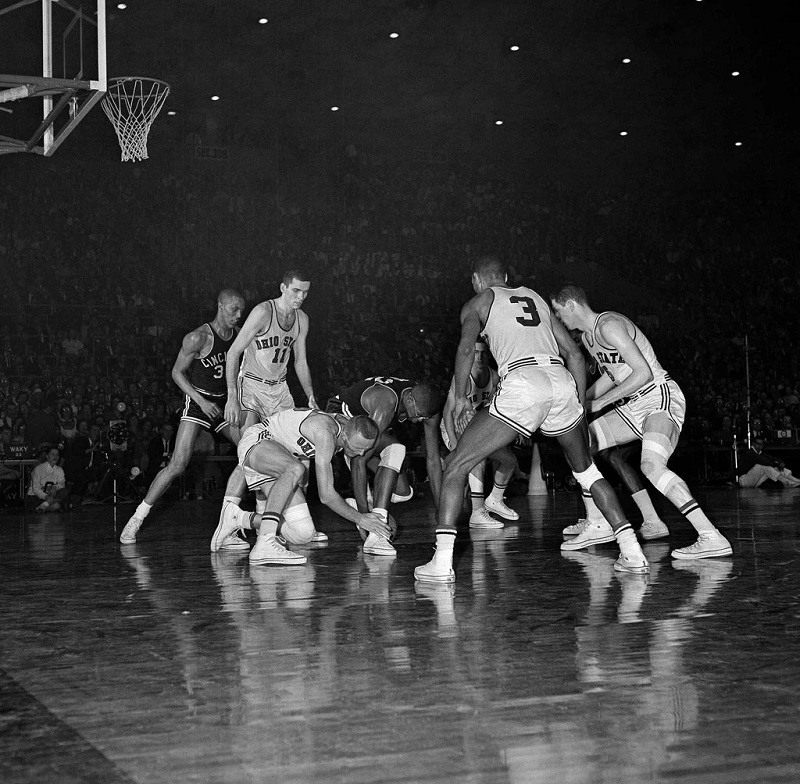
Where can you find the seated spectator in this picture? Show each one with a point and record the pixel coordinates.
(755, 467)
(8, 475)
(48, 487)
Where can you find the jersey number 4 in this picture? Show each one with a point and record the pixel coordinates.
(529, 307)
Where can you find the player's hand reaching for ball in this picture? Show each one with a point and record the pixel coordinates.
(375, 524)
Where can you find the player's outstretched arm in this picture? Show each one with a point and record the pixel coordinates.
(325, 443)
(471, 323)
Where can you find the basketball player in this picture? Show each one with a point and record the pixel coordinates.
(388, 400)
(199, 371)
(273, 331)
(481, 385)
(535, 392)
(271, 452)
(647, 404)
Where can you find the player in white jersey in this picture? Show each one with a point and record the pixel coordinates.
(536, 392)
(481, 386)
(646, 404)
(273, 332)
(273, 452)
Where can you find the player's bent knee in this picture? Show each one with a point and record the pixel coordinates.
(392, 457)
(588, 477)
(297, 526)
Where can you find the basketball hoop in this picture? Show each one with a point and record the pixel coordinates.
(131, 104)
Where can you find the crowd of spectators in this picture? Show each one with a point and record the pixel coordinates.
(104, 271)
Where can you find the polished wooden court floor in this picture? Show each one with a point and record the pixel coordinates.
(162, 662)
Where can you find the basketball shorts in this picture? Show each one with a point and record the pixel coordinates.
(264, 398)
(193, 413)
(252, 436)
(538, 397)
(663, 398)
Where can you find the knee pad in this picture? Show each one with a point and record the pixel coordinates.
(297, 526)
(588, 477)
(392, 457)
(398, 499)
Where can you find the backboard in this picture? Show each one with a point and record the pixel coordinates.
(52, 71)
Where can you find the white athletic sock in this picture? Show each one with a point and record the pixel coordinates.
(142, 510)
(642, 500)
(445, 541)
(697, 517)
(626, 539)
(497, 492)
(269, 523)
(261, 505)
(593, 512)
(475, 492)
(234, 499)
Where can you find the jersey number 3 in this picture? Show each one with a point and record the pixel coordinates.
(529, 307)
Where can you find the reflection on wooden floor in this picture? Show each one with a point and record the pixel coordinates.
(162, 662)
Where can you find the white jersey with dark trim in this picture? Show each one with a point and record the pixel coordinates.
(284, 428)
(268, 353)
(518, 329)
(610, 360)
(480, 396)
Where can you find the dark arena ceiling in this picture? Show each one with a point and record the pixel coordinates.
(567, 101)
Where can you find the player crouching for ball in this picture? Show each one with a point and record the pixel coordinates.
(270, 454)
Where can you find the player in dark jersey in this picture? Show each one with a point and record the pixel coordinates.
(199, 371)
(388, 401)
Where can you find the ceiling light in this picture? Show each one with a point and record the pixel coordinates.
(514, 48)
(626, 59)
(334, 108)
(734, 73)
(121, 6)
(214, 97)
(171, 113)
(394, 35)
(623, 133)
(498, 122)
(263, 20)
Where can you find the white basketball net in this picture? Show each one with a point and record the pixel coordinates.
(131, 104)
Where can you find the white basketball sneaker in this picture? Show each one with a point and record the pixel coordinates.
(229, 521)
(128, 535)
(269, 551)
(500, 508)
(375, 544)
(593, 533)
(575, 528)
(653, 529)
(708, 545)
(481, 518)
(435, 572)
